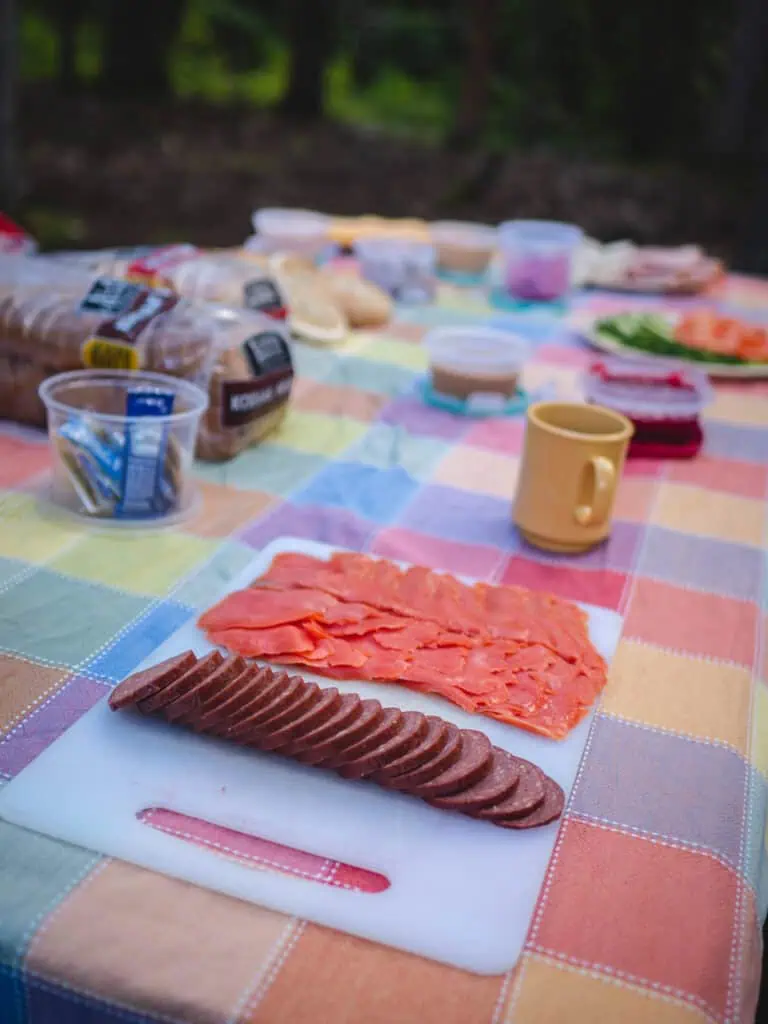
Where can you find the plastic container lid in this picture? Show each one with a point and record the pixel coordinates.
(641, 390)
(539, 236)
(463, 233)
(290, 223)
(476, 351)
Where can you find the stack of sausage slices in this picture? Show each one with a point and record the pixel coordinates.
(420, 755)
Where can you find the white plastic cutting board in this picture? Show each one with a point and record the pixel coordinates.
(461, 891)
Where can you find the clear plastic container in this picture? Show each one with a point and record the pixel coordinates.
(287, 230)
(463, 248)
(538, 259)
(118, 469)
(643, 391)
(404, 269)
(480, 364)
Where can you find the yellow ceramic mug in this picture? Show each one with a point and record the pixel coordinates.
(573, 456)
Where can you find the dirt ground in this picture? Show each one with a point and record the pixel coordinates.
(107, 174)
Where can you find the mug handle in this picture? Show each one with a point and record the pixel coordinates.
(605, 484)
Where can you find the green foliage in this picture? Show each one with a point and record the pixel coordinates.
(39, 53)
(54, 229)
(393, 100)
(202, 67)
(629, 79)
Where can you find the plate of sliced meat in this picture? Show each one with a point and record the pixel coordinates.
(455, 801)
(624, 266)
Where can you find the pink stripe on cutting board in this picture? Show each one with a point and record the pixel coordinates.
(262, 853)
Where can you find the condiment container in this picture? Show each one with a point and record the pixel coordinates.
(287, 230)
(472, 362)
(122, 444)
(538, 259)
(664, 404)
(405, 269)
(463, 249)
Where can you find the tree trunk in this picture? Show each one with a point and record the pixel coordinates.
(138, 37)
(9, 176)
(749, 50)
(475, 94)
(68, 16)
(653, 50)
(309, 33)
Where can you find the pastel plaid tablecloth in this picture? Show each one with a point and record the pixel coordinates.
(653, 901)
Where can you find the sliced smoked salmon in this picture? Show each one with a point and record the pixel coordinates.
(520, 656)
(261, 609)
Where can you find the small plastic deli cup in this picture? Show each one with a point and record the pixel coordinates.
(122, 444)
(642, 390)
(405, 269)
(538, 259)
(467, 361)
(664, 403)
(462, 247)
(289, 230)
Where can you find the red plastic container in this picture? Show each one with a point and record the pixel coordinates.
(664, 404)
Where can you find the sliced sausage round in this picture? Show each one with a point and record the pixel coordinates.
(528, 794)
(443, 759)
(430, 744)
(277, 731)
(472, 765)
(144, 684)
(499, 782)
(345, 715)
(284, 696)
(204, 667)
(261, 731)
(220, 696)
(550, 808)
(369, 714)
(319, 713)
(386, 727)
(192, 699)
(259, 685)
(411, 730)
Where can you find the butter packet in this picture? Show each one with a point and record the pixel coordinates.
(130, 472)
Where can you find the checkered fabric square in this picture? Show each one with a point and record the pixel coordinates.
(653, 901)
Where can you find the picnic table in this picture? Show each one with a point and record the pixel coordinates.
(655, 895)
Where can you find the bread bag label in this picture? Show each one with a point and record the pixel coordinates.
(262, 294)
(267, 352)
(129, 307)
(270, 362)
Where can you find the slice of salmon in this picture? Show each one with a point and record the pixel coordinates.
(263, 643)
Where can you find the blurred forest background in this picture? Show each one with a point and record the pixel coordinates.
(126, 121)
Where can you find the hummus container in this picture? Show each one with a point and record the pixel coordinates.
(463, 248)
(468, 361)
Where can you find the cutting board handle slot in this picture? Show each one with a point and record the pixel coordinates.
(254, 852)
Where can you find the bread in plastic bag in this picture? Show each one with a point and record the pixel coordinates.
(56, 317)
